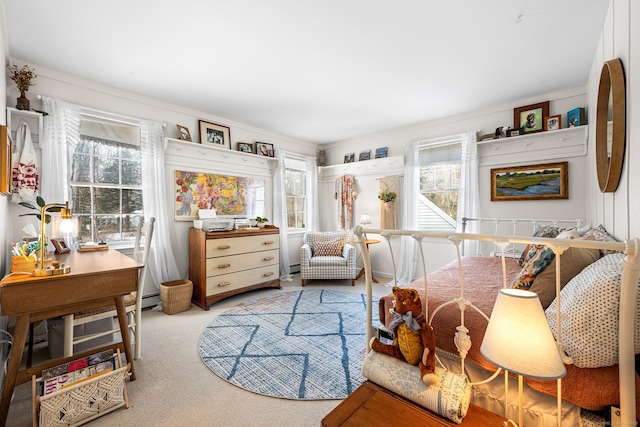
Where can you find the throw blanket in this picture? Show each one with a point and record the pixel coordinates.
(450, 398)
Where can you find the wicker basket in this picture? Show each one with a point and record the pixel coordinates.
(176, 295)
(21, 264)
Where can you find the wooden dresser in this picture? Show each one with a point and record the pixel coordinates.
(226, 263)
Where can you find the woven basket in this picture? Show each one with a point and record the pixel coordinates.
(20, 264)
(176, 295)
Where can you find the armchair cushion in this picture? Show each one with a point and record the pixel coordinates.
(328, 248)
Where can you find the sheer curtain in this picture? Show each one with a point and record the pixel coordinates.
(162, 263)
(468, 192)
(409, 218)
(312, 193)
(60, 139)
(280, 214)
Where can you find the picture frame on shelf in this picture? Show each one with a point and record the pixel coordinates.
(215, 134)
(349, 158)
(531, 117)
(364, 155)
(245, 147)
(530, 182)
(264, 149)
(576, 117)
(381, 152)
(183, 133)
(553, 122)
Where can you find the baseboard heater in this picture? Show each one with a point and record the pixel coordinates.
(150, 300)
(295, 268)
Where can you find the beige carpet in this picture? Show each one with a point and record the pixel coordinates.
(175, 388)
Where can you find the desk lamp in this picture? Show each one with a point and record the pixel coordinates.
(365, 220)
(518, 339)
(65, 214)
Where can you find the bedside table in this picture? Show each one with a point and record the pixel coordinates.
(373, 406)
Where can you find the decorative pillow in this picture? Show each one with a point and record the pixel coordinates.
(573, 261)
(536, 259)
(327, 249)
(601, 235)
(589, 306)
(547, 231)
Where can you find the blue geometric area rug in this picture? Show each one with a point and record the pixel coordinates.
(306, 345)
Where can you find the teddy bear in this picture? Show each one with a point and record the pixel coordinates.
(414, 341)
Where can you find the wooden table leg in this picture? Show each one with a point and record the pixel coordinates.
(124, 331)
(15, 357)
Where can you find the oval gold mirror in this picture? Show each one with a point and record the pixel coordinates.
(610, 125)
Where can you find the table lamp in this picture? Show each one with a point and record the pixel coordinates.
(365, 220)
(518, 339)
(65, 214)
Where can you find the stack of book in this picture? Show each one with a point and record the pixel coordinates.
(76, 371)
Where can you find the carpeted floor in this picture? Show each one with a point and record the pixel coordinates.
(307, 344)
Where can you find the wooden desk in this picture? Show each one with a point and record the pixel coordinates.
(373, 406)
(97, 279)
(367, 242)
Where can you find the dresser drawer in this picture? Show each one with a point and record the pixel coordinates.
(240, 245)
(241, 279)
(233, 263)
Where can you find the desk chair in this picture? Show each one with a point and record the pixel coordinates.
(133, 303)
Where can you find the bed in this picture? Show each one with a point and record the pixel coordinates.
(591, 267)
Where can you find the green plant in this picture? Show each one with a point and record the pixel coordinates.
(260, 219)
(22, 76)
(40, 204)
(387, 196)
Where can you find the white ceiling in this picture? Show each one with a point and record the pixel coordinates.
(321, 71)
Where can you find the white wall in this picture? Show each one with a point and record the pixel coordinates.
(619, 212)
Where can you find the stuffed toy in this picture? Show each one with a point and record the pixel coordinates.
(414, 341)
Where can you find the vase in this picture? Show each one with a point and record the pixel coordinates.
(261, 224)
(22, 102)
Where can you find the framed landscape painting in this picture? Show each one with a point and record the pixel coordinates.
(531, 182)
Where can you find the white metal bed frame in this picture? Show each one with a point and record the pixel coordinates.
(628, 292)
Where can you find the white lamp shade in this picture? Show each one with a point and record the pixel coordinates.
(518, 337)
(364, 219)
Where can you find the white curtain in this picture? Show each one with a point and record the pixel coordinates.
(60, 139)
(312, 194)
(280, 214)
(162, 263)
(409, 218)
(468, 192)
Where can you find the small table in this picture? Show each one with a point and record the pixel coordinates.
(374, 406)
(367, 242)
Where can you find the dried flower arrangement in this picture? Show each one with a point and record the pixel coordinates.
(387, 196)
(23, 77)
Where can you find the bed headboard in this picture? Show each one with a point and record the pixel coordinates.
(508, 227)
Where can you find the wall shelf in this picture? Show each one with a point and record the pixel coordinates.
(541, 146)
(393, 165)
(32, 118)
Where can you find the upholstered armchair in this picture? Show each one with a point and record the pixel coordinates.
(327, 255)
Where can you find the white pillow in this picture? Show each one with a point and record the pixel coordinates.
(589, 306)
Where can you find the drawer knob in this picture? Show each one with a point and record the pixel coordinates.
(222, 284)
(223, 247)
(224, 266)
(267, 274)
(268, 258)
(269, 242)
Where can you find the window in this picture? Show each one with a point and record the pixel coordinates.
(295, 177)
(440, 165)
(106, 182)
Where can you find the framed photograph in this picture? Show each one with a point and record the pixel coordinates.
(364, 155)
(381, 152)
(218, 135)
(60, 245)
(183, 133)
(5, 160)
(245, 147)
(531, 117)
(264, 149)
(532, 182)
(576, 117)
(553, 122)
(349, 158)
